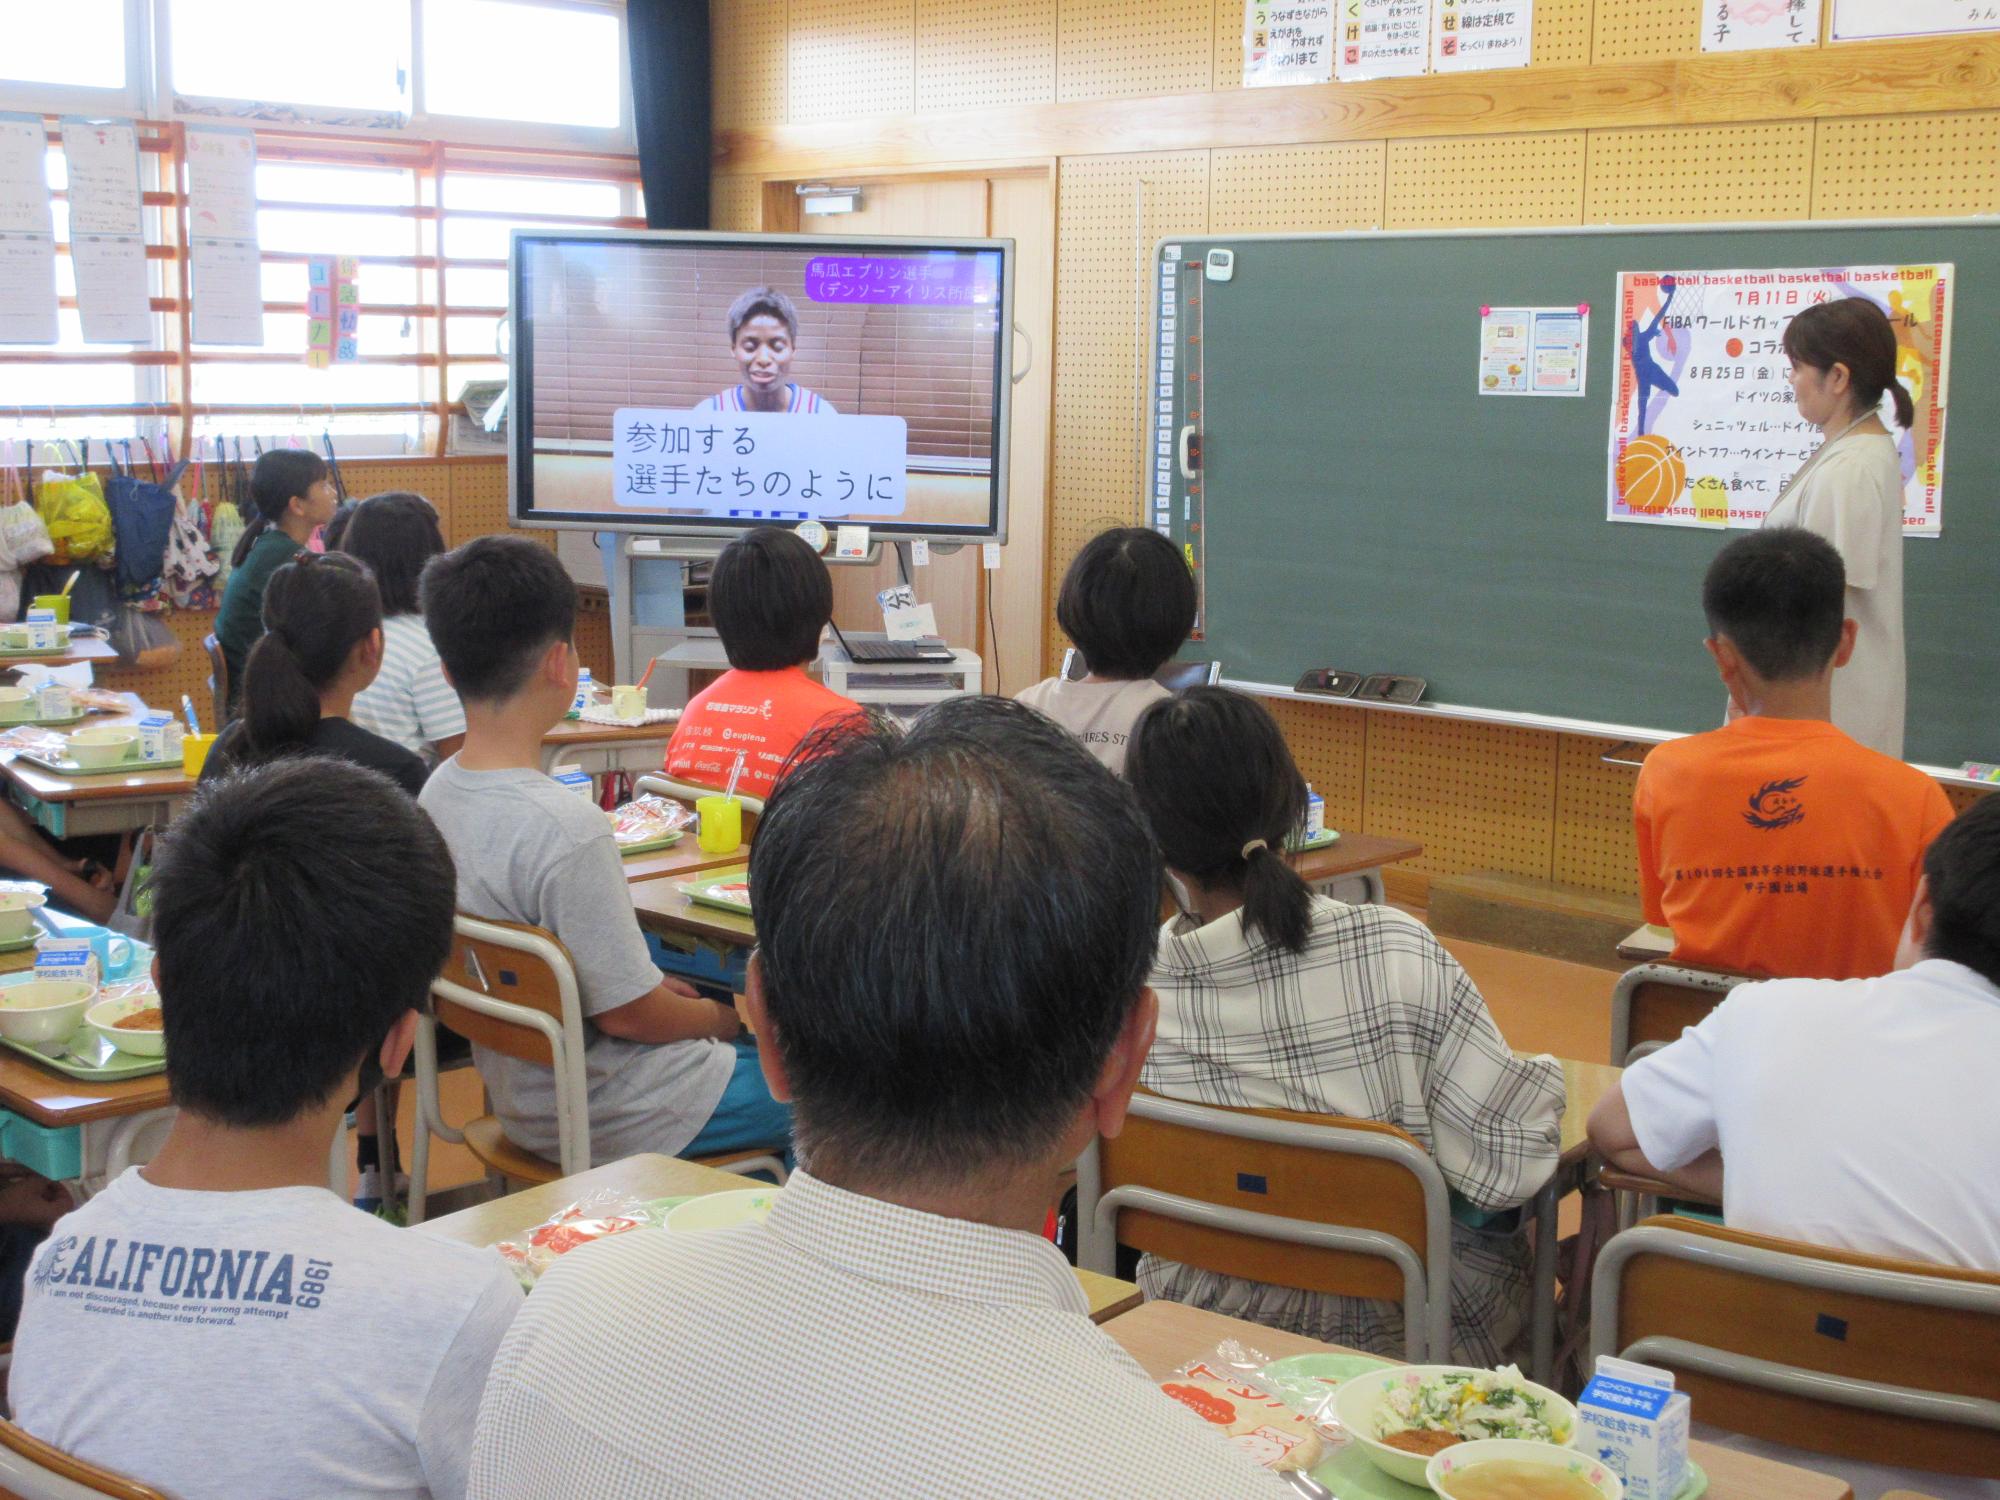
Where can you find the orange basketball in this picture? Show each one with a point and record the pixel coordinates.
(1651, 474)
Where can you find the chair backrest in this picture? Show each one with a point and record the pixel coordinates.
(1653, 1003)
(218, 682)
(1857, 1356)
(512, 989)
(663, 785)
(33, 1470)
(1317, 1202)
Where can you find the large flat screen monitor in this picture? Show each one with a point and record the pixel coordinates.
(702, 384)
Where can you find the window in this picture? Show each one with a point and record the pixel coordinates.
(504, 60)
(45, 44)
(353, 56)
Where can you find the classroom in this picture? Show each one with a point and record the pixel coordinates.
(1327, 830)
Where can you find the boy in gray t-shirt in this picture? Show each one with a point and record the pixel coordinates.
(667, 1069)
(216, 1323)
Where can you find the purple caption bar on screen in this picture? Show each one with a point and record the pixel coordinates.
(954, 281)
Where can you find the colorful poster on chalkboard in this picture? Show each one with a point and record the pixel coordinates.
(1704, 428)
(1751, 25)
(1287, 42)
(1870, 20)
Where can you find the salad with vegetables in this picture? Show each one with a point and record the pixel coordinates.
(1472, 1404)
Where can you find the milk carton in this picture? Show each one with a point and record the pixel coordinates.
(1636, 1423)
(43, 631)
(153, 736)
(574, 778)
(1315, 813)
(66, 958)
(53, 701)
(585, 691)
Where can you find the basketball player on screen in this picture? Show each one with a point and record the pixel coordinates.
(763, 335)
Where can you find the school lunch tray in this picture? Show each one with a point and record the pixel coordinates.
(647, 846)
(1317, 841)
(704, 890)
(62, 765)
(86, 1054)
(37, 722)
(1352, 1475)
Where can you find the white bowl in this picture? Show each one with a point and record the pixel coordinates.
(102, 1018)
(42, 1010)
(102, 747)
(1465, 1456)
(723, 1210)
(17, 913)
(1355, 1404)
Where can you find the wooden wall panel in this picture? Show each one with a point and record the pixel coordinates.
(1562, 32)
(974, 56)
(749, 47)
(1915, 166)
(1645, 30)
(1128, 49)
(1594, 848)
(1110, 210)
(1297, 189)
(1330, 745)
(1720, 173)
(852, 57)
(736, 203)
(1479, 796)
(1486, 180)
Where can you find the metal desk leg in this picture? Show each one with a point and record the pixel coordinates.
(1543, 1305)
(1340, 888)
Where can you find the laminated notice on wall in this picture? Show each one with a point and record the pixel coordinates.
(1470, 36)
(1751, 25)
(1869, 20)
(1287, 41)
(1382, 39)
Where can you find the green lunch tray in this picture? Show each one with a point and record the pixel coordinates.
(708, 891)
(37, 723)
(647, 846)
(64, 766)
(88, 1056)
(1318, 841)
(1352, 1475)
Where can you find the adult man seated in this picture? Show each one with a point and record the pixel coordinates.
(955, 928)
(1777, 844)
(1858, 1114)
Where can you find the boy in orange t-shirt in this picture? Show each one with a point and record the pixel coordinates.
(1777, 844)
(770, 596)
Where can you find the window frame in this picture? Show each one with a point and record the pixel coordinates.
(24, 96)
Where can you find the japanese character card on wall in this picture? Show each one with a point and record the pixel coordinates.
(1704, 428)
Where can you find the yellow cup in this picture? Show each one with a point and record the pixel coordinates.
(57, 602)
(721, 830)
(194, 752)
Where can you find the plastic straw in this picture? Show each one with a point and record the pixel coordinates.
(187, 708)
(734, 772)
(643, 676)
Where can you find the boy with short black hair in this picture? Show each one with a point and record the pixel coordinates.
(665, 1068)
(1127, 603)
(1776, 844)
(770, 597)
(330, 1353)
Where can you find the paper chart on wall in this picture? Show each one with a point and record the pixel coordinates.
(1704, 426)
(1476, 35)
(222, 216)
(107, 232)
(228, 292)
(27, 234)
(1382, 39)
(1287, 41)
(1753, 25)
(1533, 351)
(1867, 20)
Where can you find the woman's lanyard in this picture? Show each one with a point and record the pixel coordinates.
(1813, 462)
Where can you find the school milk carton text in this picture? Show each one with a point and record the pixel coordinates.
(1636, 1423)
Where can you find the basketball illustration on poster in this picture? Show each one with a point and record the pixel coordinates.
(1704, 428)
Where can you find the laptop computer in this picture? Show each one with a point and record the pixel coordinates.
(880, 649)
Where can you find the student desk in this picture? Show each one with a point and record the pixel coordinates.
(649, 1176)
(1164, 1336)
(682, 859)
(109, 1119)
(1647, 944)
(66, 806)
(600, 748)
(1584, 1083)
(87, 648)
(1355, 856)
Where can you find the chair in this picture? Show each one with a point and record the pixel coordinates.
(1851, 1355)
(1252, 1192)
(33, 1470)
(512, 989)
(663, 785)
(218, 682)
(1653, 1003)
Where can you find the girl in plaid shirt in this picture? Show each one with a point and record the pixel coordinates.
(1273, 997)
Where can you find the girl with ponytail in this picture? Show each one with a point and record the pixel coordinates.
(322, 644)
(1843, 358)
(294, 496)
(1274, 997)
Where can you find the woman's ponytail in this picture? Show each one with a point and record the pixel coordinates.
(1906, 409)
(1223, 795)
(1854, 332)
(316, 610)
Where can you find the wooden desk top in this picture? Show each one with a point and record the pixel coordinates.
(52, 786)
(1646, 944)
(1584, 1083)
(665, 908)
(1163, 1336)
(90, 648)
(1351, 853)
(650, 1176)
(581, 732)
(51, 1098)
(682, 859)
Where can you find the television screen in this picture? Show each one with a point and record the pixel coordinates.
(701, 384)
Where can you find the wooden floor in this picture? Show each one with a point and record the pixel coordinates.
(1542, 1005)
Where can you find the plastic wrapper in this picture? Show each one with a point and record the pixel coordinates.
(646, 818)
(35, 741)
(1236, 1388)
(597, 1216)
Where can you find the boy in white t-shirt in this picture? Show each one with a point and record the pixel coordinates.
(1128, 603)
(217, 1323)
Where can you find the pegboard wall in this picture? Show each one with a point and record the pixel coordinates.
(1481, 798)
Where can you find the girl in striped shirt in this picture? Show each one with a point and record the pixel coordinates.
(763, 335)
(409, 702)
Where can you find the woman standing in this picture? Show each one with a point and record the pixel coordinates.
(1843, 360)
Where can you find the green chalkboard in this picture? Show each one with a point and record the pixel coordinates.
(1361, 506)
